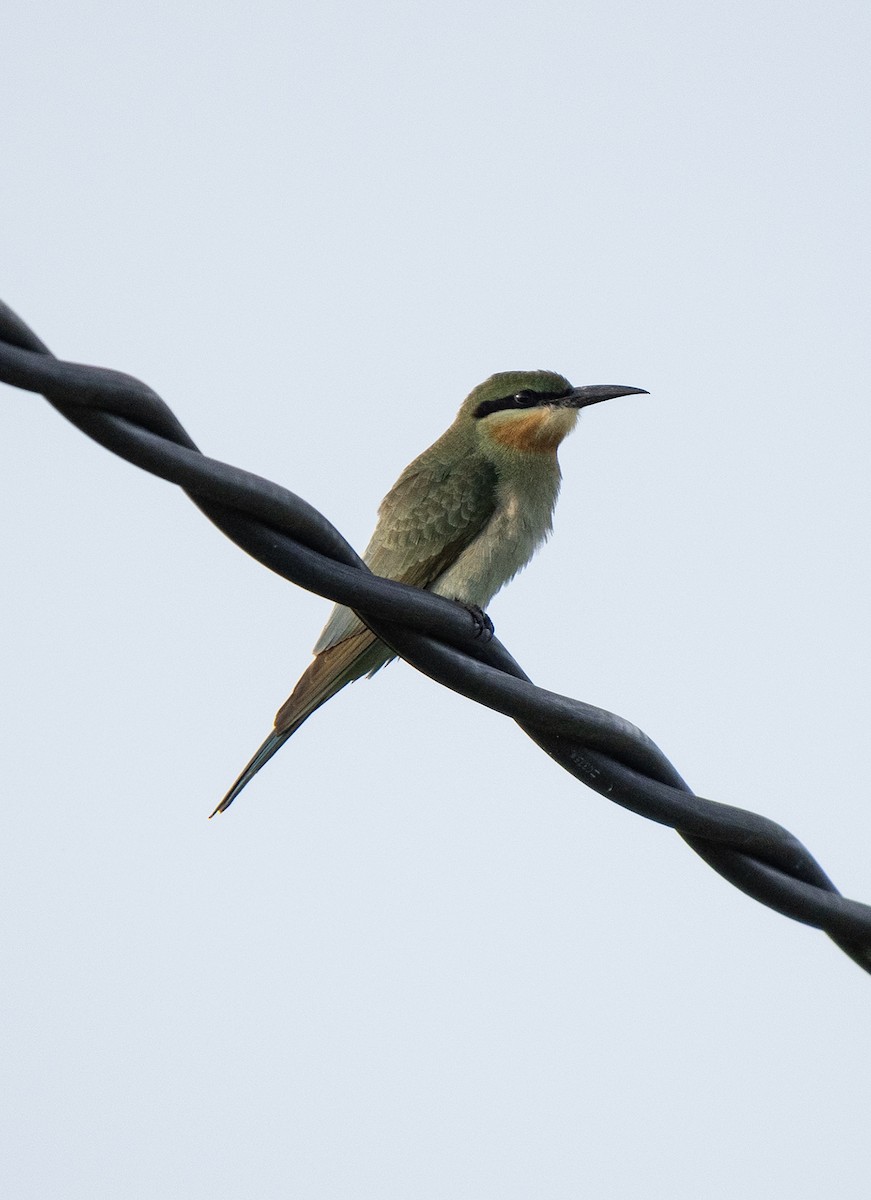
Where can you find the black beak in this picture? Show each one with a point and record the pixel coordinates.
(580, 397)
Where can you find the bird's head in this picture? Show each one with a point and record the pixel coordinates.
(530, 412)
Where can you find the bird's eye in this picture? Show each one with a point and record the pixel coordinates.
(525, 399)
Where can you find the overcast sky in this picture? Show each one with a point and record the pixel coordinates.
(417, 959)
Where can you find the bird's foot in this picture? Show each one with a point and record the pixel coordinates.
(483, 624)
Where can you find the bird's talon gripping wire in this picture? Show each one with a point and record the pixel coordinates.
(483, 625)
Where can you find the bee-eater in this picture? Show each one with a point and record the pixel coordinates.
(460, 521)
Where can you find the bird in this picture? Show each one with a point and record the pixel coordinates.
(462, 519)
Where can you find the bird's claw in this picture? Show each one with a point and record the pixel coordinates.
(483, 624)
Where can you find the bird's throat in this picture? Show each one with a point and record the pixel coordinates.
(537, 432)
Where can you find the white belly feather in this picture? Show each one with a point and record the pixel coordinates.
(519, 525)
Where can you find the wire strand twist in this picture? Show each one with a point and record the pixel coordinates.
(437, 636)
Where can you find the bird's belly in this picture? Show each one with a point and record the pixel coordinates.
(499, 551)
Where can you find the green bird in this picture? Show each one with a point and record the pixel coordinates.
(460, 521)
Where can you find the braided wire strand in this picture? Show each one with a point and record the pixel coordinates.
(437, 636)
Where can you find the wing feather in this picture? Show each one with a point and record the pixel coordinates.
(433, 511)
(439, 504)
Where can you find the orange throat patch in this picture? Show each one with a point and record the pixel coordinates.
(536, 432)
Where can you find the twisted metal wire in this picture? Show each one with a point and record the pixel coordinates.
(437, 636)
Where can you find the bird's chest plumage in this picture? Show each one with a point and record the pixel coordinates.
(520, 523)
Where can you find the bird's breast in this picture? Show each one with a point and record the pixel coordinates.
(520, 523)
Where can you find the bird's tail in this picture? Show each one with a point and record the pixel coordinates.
(271, 746)
(331, 670)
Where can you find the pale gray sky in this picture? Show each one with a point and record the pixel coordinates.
(417, 959)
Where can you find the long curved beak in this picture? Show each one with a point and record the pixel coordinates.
(595, 393)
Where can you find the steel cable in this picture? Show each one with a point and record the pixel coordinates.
(437, 636)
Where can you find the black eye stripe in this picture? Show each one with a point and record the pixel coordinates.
(522, 399)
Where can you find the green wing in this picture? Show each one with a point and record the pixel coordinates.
(436, 508)
(439, 504)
